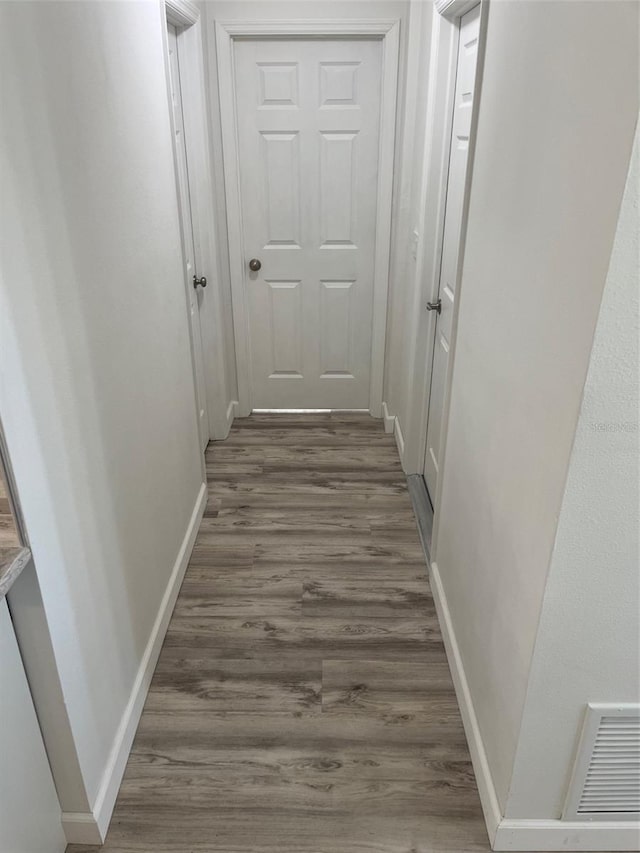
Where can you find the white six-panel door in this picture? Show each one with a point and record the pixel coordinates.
(463, 103)
(195, 294)
(308, 113)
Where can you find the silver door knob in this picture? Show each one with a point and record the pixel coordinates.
(435, 306)
(254, 264)
(199, 282)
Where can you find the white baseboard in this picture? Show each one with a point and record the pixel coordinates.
(486, 789)
(389, 420)
(511, 833)
(232, 409)
(91, 828)
(221, 422)
(392, 425)
(81, 828)
(541, 835)
(399, 440)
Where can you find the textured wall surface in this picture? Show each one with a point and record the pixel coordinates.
(587, 647)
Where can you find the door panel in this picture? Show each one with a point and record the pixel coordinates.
(336, 328)
(308, 113)
(283, 328)
(337, 190)
(195, 294)
(461, 128)
(280, 162)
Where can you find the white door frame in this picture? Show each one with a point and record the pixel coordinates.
(185, 16)
(226, 33)
(442, 78)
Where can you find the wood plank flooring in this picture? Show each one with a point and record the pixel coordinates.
(302, 702)
(12, 552)
(9, 536)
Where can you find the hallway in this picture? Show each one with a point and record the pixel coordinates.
(302, 702)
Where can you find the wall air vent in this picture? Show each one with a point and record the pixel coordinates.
(606, 777)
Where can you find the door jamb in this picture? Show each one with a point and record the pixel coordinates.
(226, 33)
(444, 52)
(185, 16)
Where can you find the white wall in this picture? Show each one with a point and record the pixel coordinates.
(587, 644)
(96, 387)
(558, 108)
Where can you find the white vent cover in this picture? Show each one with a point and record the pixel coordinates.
(606, 777)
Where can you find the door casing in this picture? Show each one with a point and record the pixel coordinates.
(185, 16)
(226, 34)
(451, 253)
(442, 76)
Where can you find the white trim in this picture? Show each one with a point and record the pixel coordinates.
(454, 9)
(310, 27)
(384, 200)
(389, 420)
(240, 309)
(80, 828)
(484, 780)
(389, 32)
(542, 835)
(392, 425)
(83, 828)
(230, 416)
(181, 13)
(399, 441)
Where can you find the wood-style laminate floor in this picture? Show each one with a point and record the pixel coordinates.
(9, 536)
(302, 702)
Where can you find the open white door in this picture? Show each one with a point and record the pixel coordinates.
(456, 185)
(195, 283)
